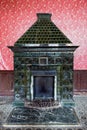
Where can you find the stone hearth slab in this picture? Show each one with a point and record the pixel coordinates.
(36, 116)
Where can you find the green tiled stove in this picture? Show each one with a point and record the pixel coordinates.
(43, 68)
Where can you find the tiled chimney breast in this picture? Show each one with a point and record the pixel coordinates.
(43, 31)
(43, 64)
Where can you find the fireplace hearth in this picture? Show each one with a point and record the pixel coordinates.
(57, 116)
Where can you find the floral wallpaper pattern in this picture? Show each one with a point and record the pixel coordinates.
(16, 16)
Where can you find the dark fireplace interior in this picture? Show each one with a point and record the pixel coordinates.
(43, 87)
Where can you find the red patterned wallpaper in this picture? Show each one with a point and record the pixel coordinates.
(16, 16)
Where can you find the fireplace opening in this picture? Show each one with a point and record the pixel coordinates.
(43, 87)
